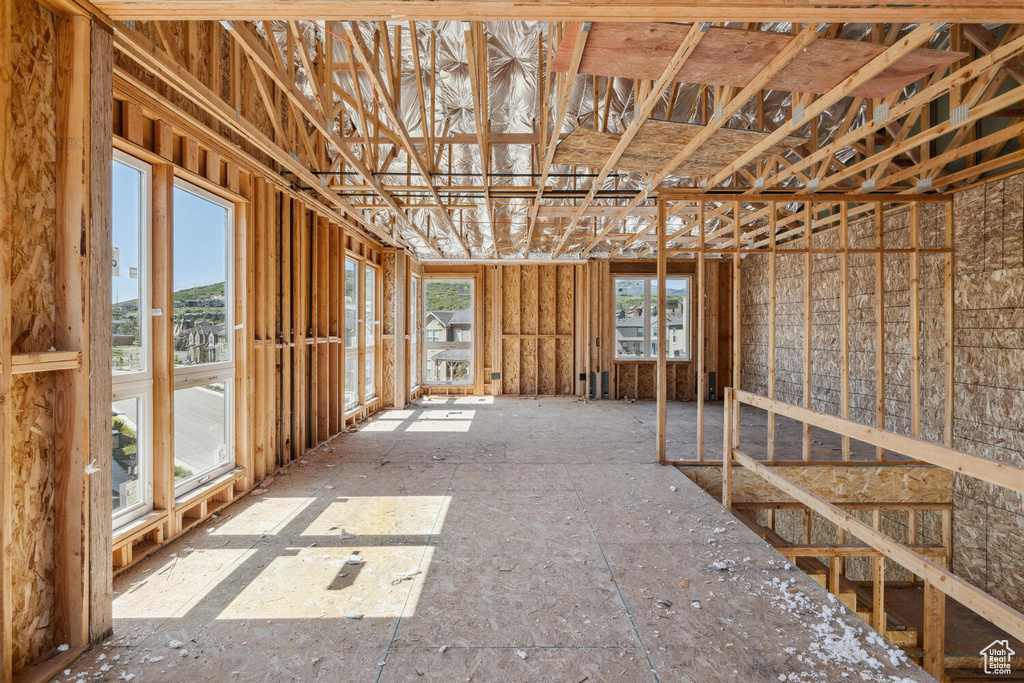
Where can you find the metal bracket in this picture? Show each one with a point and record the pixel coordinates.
(868, 185)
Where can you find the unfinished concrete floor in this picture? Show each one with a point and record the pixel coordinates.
(497, 540)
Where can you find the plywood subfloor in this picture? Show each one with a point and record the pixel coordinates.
(549, 546)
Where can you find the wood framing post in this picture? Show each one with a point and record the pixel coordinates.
(163, 345)
(6, 210)
(242, 332)
(772, 257)
(727, 427)
(101, 570)
(808, 327)
(844, 322)
(737, 317)
(934, 635)
(948, 320)
(71, 390)
(662, 332)
(915, 320)
(879, 323)
(701, 390)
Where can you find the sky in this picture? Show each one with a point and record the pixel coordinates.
(200, 228)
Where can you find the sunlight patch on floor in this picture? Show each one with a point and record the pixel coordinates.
(268, 516)
(321, 583)
(182, 581)
(380, 516)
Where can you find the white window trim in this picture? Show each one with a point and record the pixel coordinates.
(146, 261)
(143, 442)
(414, 334)
(453, 345)
(125, 385)
(353, 351)
(189, 376)
(648, 300)
(370, 341)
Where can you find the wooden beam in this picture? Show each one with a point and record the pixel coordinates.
(71, 387)
(973, 598)
(386, 100)
(561, 109)
(662, 358)
(920, 35)
(990, 471)
(643, 109)
(7, 193)
(142, 51)
(792, 50)
(979, 11)
(254, 47)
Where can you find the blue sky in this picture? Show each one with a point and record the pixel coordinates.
(199, 235)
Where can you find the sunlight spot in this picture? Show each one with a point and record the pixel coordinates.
(381, 426)
(482, 400)
(395, 415)
(448, 415)
(178, 584)
(380, 516)
(439, 426)
(316, 583)
(267, 516)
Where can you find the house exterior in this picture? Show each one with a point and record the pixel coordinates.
(629, 337)
(204, 342)
(448, 329)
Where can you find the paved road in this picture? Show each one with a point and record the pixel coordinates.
(198, 428)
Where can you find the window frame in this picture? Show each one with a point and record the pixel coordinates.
(470, 379)
(415, 319)
(191, 376)
(650, 298)
(139, 384)
(353, 351)
(371, 328)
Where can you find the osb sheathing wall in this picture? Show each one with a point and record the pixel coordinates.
(33, 228)
(988, 352)
(536, 329)
(988, 521)
(54, 215)
(791, 323)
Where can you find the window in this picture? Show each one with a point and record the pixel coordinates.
(448, 319)
(132, 384)
(636, 318)
(370, 296)
(203, 336)
(414, 334)
(351, 335)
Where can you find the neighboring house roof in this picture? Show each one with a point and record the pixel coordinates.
(452, 355)
(462, 316)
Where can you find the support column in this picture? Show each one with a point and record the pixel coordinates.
(662, 332)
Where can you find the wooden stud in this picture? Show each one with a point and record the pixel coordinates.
(662, 358)
(844, 322)
(808, 323)
(700, 305)
(934, 631)
(879, 220)
(915, 321)
(7, 192)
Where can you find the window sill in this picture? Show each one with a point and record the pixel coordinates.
(204, 491)
(139, 525)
